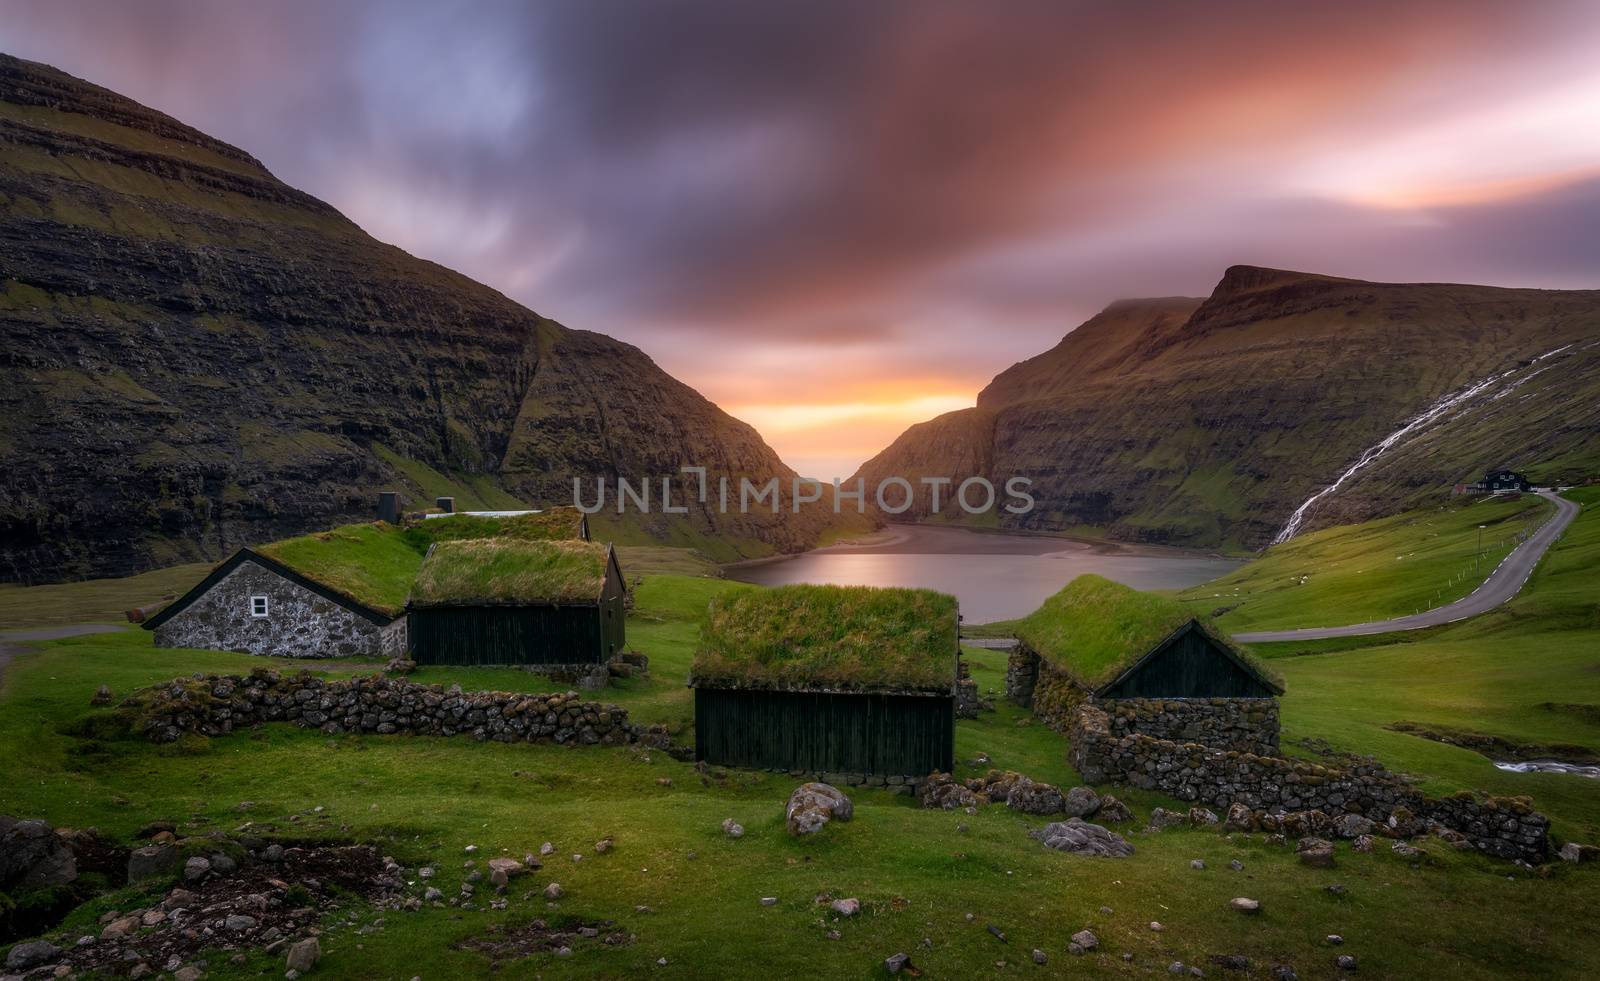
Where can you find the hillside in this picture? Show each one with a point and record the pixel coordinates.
(1207, 422)
(198, 356)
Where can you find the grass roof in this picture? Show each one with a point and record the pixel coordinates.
(496, 571)
(855, 637)
(369, 563)
(1094, 629)
(551, 524)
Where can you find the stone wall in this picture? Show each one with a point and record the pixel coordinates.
(1506, 828)
(212, 705)
(1022, 673)
(968, 704)
(299, 623)
(1248, 725)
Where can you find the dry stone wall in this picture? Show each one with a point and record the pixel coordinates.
(299, 623)
(1503, 827)
(1247, 725)
(212, 705)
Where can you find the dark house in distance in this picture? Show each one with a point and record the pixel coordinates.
(1497, 482)
(1153, 666)
(851, 681)
(554, 606)
(339, 593)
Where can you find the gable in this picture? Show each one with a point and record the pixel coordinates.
(1188, 664)
(244, 555)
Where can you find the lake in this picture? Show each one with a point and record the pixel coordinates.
(996, 577)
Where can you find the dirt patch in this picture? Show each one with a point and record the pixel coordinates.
(506, 943)
(1497, 748)
(273, 895)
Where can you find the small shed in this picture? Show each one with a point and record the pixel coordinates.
(338, 593)
(854, 681)
(556, 606)
(1150, 662)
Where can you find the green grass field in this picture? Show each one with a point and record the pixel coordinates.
(1386, 568)
(917, 873)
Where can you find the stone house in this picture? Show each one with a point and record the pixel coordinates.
(257, 604)
(1151, 665)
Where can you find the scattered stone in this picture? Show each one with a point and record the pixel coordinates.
(1353, 826)
(1081, 838)
(1156, 927)
(120, 928)
(1345, 962)
(503, 870)
(151, 860)
(1334, 940)
(189, 973)
(998, 933)
(196, 869)
(432, 895)
(1236, 865)
(470, 849)
(426, 872)
(1284, 972)
(547, 849)
(732, 828)
(1231, 962)
(1197, 864)
(941, 791)
(1083, 941)
(663, 781)
(1405, 850)
(1242, 904)
(1081, 802)
(1201, 817)
(1240, 818)
(846, 907)
(102, 696)
(223, 864)
(1335, 889)
(769, 900)
(1363, 843)
(26, 956)
(1039, 956)
(604, 845)
(1162, 818)
(303, 956)
(274, 853)
(1112, 811)
(1035, 798)
(1315, 852)
(1176, 967)
(238, 922)
(1572, 851)
(895, 963)
(554, 891)
(813, 805)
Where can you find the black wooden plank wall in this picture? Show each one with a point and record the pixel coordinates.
(1189, 667)
(887, 735)
(506, 635)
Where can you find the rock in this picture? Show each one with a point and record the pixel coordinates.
(1363, 843)
(223, 864)
(1345, 962)
(1333, 940)
(1083, 941)
(196, 868)
(273, 853)
(1335, 889)
(895, 963)
(1081, 802)
(303, 956)
(142, 970)
(1112, 811)
(102, 696)
(1242, 904)
(179, 898)
(29, 955)
(1197, 864)
(152, 917)
(125, 926)
(1035, 798)
(769, 900)
(997, 933)
(1405, 850)
(547, 849)
(188, 973)
(1315, 852)
(470, 849)
(1353, 826)
(239, 922)
(604, 845)
(941, 791)
(845, 907)
(1163, 818)
(1231, 962)
(1156, 927)
(432, 895)
(1574, 852)
(554, 891)
(1081, 838)
(503, 870)
(813, 805)
(33, 855)
(1201, 817)
(1039, 956)
(732, 828)
(1236, 865)
(151, 860)
(1284, 972)
(1176, 967)
(1240, 818)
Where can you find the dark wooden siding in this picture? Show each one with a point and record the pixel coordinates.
(1189, 665)
(507, 635)
(887, 735)
(613, 609)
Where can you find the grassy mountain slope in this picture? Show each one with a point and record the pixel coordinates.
(198, 356)
(1207, 422)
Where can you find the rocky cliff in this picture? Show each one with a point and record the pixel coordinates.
(198, 356)
(1206, 422)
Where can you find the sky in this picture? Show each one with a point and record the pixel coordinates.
(835, 219)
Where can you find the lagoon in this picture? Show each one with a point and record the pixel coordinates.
(995, 576)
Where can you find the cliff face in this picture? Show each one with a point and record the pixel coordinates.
(198, 356)
(1207, 422)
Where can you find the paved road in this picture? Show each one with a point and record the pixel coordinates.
(1503, 583)
(14, 642)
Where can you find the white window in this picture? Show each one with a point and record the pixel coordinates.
(258, 606)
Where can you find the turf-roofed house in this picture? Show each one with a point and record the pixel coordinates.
(339, 593)
(851, 684)
(552, 606)
(1149, 663)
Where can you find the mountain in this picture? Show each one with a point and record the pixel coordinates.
(1207, 422)
(198, 356)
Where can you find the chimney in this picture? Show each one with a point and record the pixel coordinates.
(446, 504)
(389, 507)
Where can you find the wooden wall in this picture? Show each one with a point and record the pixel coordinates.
(509, 635)
(887, 735)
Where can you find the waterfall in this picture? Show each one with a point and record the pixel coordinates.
(1420, 421)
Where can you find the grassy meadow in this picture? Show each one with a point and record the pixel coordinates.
(930, 882)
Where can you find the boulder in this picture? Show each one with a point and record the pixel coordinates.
(1081, 838)
(813, 805)
(1112, 811)
(895, 963)
(732, 828)
(1203, 817)
(196, 868)
(303, 955)
(1081, 802)
(1035, 798)
(1083, 941)
(33, 855)
(1244, 904)
(503, 870)
(1572, 851)
(32, 954)
(1240, 818)
(941, 792)
(151, 860)
(845, 907)
(1163, 818)
(102, 696)
(1353, 825)
(1315, 852)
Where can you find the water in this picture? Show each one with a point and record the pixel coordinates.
(996, 577)
(1550, 766)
